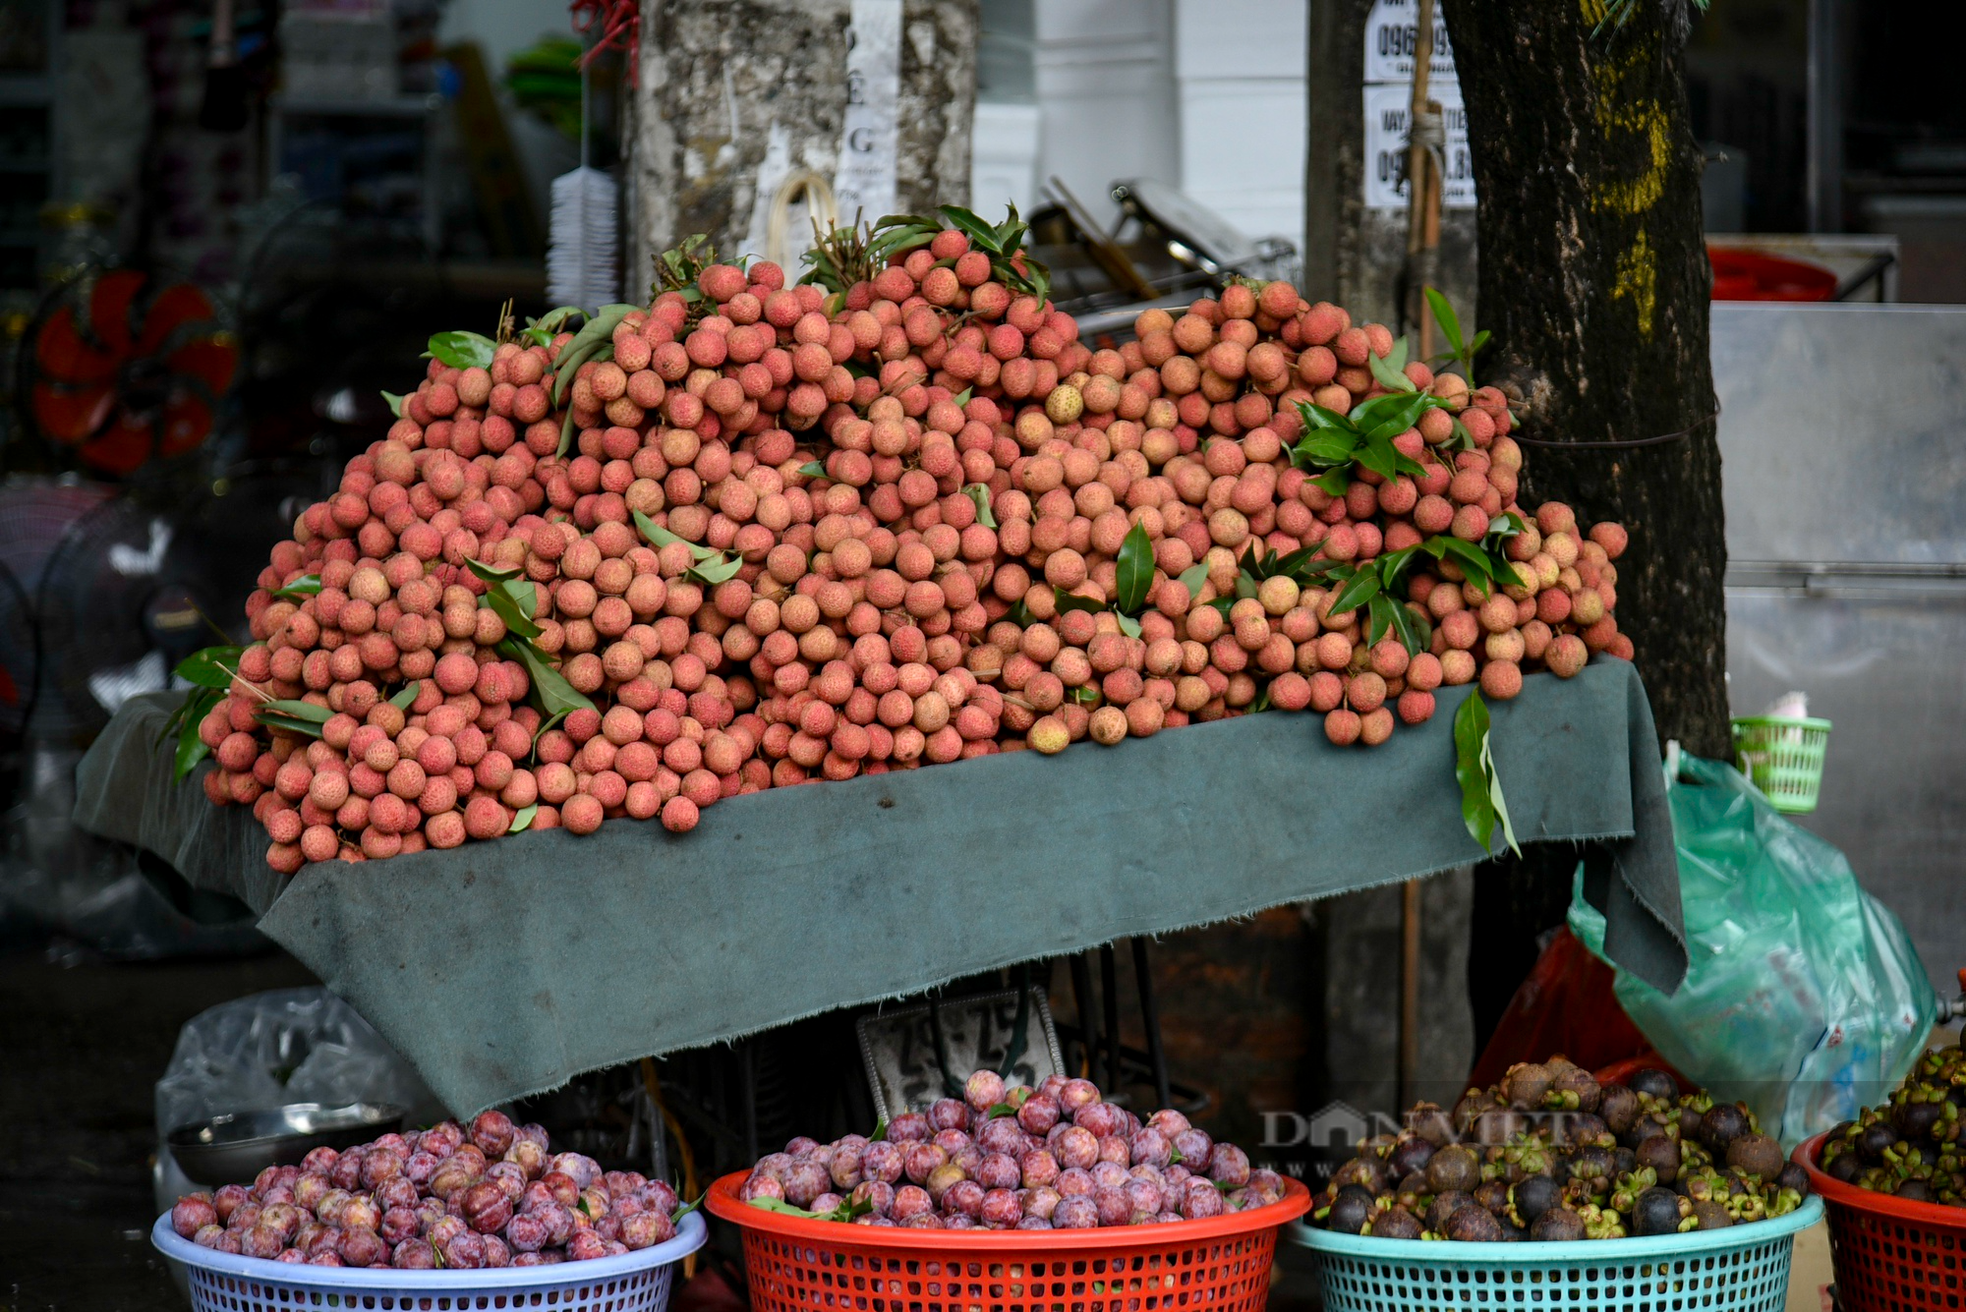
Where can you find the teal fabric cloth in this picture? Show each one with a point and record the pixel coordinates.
(503, 969)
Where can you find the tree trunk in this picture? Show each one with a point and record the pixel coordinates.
(1594, 281)
(735, 96)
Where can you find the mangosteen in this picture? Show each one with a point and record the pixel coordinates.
(1874, 1139)
(1578, 1089)
(1367, 1172)
(1498, 1126)
(1493, 1195)
(1410, 1154)
(1592, 1163)
(1349, 1211)
(1792, 1176)
(1396, 1223)
(1511, 1232)
(1415, 1183)
(1712, 1215)
(1689, 1122)
(1844, 1168)
(1429, 1122)
(1723, 1124)
(1624, 1161)
(1473, 1225)
(1754, 1154)
(1916, 1191)
(1657, 1212)
(1619, 1107)
(1535, 1196)
(1444, 1206)
(1579, 1128)
(1558, 1225)
(1916, 1119)
(1526, 1084)
(1660, 1155)
(1654, 1083)
(1456, 1167)
(1472, 1105)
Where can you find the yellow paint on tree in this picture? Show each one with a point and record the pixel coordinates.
(1638, 282)
(1621, 107)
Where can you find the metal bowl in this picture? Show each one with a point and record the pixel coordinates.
(235, 1147)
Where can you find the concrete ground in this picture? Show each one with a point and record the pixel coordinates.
(82, 1046)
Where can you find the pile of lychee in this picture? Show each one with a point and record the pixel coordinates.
(1055, 1157)
(1551, 1155)
(495, 1195)
(797, 536)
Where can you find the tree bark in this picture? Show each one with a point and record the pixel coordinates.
(1594, 282)
(728, 87)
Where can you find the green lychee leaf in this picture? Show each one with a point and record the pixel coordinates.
(684, 1209)
(998, 1111)
(523, 820)
(979, 494)
(1193, 577)
(1361, 588)
(1402, 414)
(1470, 743)
(1401, 352)
(1020, 614)
(1134, 571)
(1335, 481)
(1262, 700)
(299, 710)
(1388, 373)
(1496, 803)
(1316, 417)
(1379, 612)
(962, 397)
(1326, 449)
(1073, 601)
(566, 435)
(394, 402)
(550, 691)
(981, 235)
(307, 585)
(813, 469)
(493, 573)
(403, 700)
(662, 537)
(718, 570)
(1128, 625)
(513, 601)
(211, 667)
(1085, 696)
(288, 723)
(463, 350)
(1450, 322)
(191, 748)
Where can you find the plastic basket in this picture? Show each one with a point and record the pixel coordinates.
(637, 1282)
(1783, 758)
(1740, 1269)
(1890, 1254)
(797, 1265)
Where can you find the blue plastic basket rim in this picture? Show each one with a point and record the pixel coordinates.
(1597, 1252)
(690, 1235)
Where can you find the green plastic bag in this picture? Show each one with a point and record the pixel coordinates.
(1803, 995)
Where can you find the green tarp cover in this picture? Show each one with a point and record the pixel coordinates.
(505, 968)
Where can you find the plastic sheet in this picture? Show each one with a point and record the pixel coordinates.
(1803, 994)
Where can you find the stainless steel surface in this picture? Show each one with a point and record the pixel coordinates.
(1845, 462)
(1840, 431)
(235, 1147)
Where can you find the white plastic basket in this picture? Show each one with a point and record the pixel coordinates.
(637, 1282)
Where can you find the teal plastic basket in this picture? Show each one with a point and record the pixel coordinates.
(1744, 1268)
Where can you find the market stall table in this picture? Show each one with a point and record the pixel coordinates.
(503, 969)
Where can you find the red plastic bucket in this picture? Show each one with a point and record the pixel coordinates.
(1890, 1254)
(1741, 275)
(793, 1264)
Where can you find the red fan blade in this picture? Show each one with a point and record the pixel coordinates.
(70, 416)
(175, 306)
(62, 354)
(211, 360)
(187, 422)
(122, 448)
(109, 308)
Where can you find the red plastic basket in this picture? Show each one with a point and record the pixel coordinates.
(797, 1265)
(1890, 1254)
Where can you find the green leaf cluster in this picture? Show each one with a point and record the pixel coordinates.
(845, 256)
(1460, 350)
(594, 341)
(1336, 443)
(1482, 805)
(209, 672)
(1135, 579)
(677, 269)
(514, 600)
(463, 350)
(712, 566)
